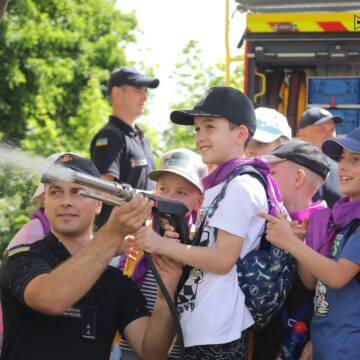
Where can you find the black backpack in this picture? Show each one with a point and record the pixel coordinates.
(265, 275)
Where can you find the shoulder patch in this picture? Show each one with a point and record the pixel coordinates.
(103, 141)
(18, 249)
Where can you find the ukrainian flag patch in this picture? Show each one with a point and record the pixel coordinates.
(102, 141)
(18, 249)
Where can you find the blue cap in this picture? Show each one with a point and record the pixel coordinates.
(317, 116)
(334, 147)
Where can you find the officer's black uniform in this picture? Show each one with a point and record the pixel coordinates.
(84, 331)
(124, 153)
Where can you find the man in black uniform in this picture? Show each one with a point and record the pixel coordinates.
(119, 150)
(60, 298)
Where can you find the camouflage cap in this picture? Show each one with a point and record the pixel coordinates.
(182, 162)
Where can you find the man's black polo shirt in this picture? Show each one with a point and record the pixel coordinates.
(124, 153)
(84, 331)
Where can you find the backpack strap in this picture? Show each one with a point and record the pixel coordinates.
(353, 227)
(248, 170)
(241, 170)
(187, 268)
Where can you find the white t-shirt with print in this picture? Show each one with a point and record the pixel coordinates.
(211, 306)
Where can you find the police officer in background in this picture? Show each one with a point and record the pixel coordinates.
(119, 150)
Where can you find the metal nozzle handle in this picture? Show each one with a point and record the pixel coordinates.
(102, 198)
(124, 192)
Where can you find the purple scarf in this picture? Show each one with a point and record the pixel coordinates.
(40, 215)
(222, 172)
(326, 223)
(305, 213)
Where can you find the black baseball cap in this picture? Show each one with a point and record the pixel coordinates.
(333, 148)
(130, 76)
(225, 102)
(78, 163)
(317, 116)
(302, 153)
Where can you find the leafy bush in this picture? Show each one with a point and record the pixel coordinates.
(16, 189)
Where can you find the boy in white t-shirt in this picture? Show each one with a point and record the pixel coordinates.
(213, 313)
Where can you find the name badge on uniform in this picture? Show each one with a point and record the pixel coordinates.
(72, 312)
(88, 322)
(136, 163)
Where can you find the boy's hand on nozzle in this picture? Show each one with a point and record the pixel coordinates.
(164, 223)
(148, 240)
(170, 233)
(278, 230)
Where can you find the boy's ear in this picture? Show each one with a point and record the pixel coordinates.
(300, 177)
(41, 198)
(243, 134)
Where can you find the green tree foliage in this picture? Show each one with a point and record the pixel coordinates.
(56, 56)
(15, 205)
(193, 79)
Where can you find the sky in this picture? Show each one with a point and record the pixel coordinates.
(168, 25)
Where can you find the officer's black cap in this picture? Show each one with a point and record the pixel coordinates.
(78, 163)
(130, 76)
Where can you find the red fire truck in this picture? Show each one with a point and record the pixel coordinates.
(300, 54)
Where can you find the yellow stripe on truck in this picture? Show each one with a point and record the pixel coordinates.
(303, 22)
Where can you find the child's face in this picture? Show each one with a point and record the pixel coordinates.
(217, 143)
(349, 174)
(174, 187)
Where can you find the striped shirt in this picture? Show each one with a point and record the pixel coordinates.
(149, 290)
